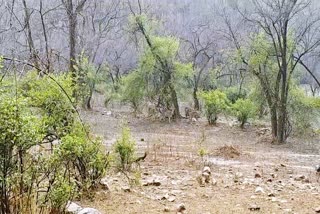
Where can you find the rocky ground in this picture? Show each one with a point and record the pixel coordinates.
(247, 173)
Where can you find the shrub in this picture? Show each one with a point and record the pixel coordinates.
(243, 109)
(124, 149)
(133, 89)
(233, 94)
(84, 156)
(215, 103)
(38, 179)
(303, 111)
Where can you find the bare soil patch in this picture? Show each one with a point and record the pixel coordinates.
(249, 176)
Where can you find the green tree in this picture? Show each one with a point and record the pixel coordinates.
(161, 70)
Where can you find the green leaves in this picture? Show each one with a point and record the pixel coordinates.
(243, 109)
(124, 149)
(215, 103)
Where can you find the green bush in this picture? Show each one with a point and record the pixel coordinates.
(125, 148)
(36, 177)
(215, 102)
(243, 109)
(84, 156)
(303, 111)
(233, 94)
(133, 89)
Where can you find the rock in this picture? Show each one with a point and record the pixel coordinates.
(290, 172)
(271, 194)
(254, 207)
(259, 190)
(274, 199)
(126, 189)
(166, 209)
(89, 211)
(282, 165)
(171, 198)
(300, 178)
(104, 184)
(73, 207)
(269, 180)
(142, 139)
(206, 169)
(257, 175)
(317, 210)
(214, 182)
(152, 182)
(206, 177)
(181, 208)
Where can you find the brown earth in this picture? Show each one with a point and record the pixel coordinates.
(240, 163)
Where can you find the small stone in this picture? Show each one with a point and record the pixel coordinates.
(89, 211)
(206, 169)
(73, 207)
(206, 176)
(214, 182)
(274, 199)
(104, 185)
(257, 175)
(166, 209)
(181, 208)
(269, 180)
(142, 139)
(300, 178)
(171, 198)
(290, 172)
(126, 189)
(259, 190)
(254, 207)
(282, 165)
(271, 194)
(317, 210)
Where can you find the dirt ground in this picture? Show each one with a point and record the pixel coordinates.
(257, 178)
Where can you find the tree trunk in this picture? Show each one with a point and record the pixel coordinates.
(195, 99)
(174, 100)
(32, 50)
(72, 43)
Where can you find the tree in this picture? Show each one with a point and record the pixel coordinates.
(283, 40)
(73, 10)
(201, 52)
(160, 63)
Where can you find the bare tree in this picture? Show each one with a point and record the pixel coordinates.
(73, 8)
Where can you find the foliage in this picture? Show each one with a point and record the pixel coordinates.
(304, 111)
(124, 149)
(243, 109)
(84, 156)
(233, 94)
(88, 76)
(133, 89)
(159, 73)
(46, 154)
(215, 102)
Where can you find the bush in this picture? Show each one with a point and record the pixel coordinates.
(133, 89)
(124, 149)
(243, 109)
(303, 111)
(39, 179)
(215, 103)
(233, 94)
(84, 156)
